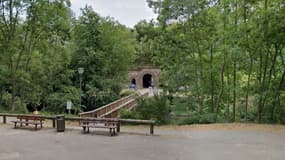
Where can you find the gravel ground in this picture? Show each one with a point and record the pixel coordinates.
(198, 142)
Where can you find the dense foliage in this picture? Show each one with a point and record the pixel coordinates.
(226, 56)
(41, 47)
(156, 108)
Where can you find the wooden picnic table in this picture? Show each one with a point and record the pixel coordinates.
(29, 120)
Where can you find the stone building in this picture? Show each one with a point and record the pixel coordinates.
(144, 77)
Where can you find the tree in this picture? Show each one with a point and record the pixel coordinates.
(105, 49)
(44, 23)
(216, 51)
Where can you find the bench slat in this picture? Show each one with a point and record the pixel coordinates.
(26, 122)
(94, 126)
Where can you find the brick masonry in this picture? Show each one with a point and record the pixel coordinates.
(138, 75)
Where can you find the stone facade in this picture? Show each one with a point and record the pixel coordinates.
(144, 77)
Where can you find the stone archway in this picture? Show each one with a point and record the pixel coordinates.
(143, 76)
(147, 80)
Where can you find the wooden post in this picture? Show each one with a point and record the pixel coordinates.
(4, 119)
(119, 127)
(151, 128)
(53, 123)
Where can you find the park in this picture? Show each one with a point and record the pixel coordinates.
(143, 79)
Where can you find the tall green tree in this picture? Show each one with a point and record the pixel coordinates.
(105, 49)
(227, 55)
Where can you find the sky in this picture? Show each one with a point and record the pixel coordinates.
(127, 12)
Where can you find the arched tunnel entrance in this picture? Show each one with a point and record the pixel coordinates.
(134, 81)
(147, 80)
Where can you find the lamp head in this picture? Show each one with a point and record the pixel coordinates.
(80, 70)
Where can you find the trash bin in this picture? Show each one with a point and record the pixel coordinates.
(60, 123)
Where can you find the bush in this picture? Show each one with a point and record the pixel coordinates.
(206, 118)
(127, 114)
(125, 93)
(20, 106)
(190, 120)
(156, 108)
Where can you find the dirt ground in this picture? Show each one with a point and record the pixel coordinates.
(195, 142)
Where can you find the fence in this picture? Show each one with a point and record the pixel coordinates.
(53, 119)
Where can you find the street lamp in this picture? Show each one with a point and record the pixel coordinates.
(80, 71)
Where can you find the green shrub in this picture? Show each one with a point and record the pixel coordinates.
(20, 106)
(127, 114)
(206, 118)
(190, 120)
(156, 108)
(125, 93)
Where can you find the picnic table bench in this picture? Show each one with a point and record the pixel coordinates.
(111, 124)
(29, 120)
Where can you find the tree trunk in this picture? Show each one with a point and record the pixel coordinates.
(221, 89)
(223, 66)
(263, 69)
(1, 96)
(13, 95)
(235, 66)
(234, 92)
(200, 76)
(228, 114)
(276, 96)
(248, 86)
(212, 81)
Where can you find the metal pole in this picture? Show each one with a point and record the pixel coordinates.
(80, 89)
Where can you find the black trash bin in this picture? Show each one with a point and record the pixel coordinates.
(60, 123)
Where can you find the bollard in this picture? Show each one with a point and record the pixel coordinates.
(151, 128)
(4, 119)
(53, 123)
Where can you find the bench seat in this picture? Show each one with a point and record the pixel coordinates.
(112, 125)
(97, 126)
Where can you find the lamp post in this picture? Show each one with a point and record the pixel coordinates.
(80, 71)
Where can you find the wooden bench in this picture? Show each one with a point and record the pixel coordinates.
(111, 124)
(29, 120)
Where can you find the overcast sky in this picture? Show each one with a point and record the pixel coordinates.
(127, 12)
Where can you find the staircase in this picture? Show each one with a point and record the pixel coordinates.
(112, 110)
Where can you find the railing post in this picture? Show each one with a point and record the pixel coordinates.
(4, 119)
(53, 122)
(119, 127)
(151, 128)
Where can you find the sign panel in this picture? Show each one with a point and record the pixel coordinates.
(68, 105)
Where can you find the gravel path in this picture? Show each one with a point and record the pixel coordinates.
(206, 142)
